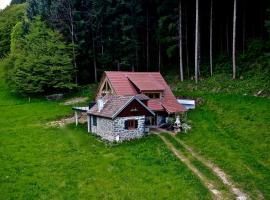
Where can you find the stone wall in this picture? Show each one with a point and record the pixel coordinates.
(104, 128)
(109, 129)
(124, 134)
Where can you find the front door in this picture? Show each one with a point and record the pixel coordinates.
(150, 121)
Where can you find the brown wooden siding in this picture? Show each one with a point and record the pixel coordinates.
(134, 109)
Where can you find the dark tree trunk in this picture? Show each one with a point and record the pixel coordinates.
(187, 52)
(211, 38)
(199, 50)
(196, 40)
(72, 33)
(118, 65)
(244, 27)
(159, 56)
(147, 39)
(94, 59)
(137, 59)
(181, 76)
(234, 39)
(227, 37)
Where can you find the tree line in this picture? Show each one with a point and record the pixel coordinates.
(191, 38)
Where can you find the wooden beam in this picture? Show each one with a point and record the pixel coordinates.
(76, 118)
(88, 123)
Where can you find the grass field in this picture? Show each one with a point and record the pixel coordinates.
(234, 132)
(38, 162)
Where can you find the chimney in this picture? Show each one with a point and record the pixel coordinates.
(100, 104)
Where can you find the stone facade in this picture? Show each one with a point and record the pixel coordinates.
(104, 127)
(110, 129)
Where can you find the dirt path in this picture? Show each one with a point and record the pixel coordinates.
(67, 120)
(240, 195)
(75, 100)
(210, 185)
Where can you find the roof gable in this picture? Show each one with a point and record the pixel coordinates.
(134, 108)
(113, 105)
(132, 83)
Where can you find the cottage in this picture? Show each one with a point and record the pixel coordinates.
(128, 103)
(118, 118)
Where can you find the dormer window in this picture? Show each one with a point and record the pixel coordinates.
(153, 95)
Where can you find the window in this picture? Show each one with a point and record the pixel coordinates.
(131, 124)
(153, 95)
(106, 89)
(94, 120)
(134, 109)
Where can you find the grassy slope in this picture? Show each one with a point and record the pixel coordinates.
(50, 163)
(234, 132)
(251, 84)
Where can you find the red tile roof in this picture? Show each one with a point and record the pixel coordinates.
(142, 97)
(155, 104)
(132, 83)
(113, 105)
(145, 82)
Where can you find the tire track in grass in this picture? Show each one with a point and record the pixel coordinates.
(210, 185)
(240, 195)
(202, 168)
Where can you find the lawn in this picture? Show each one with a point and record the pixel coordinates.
(234, 132)
(38, 162)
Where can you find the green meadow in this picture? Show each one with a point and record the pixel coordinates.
(41, 162)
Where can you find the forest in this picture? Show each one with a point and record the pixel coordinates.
(60, 44)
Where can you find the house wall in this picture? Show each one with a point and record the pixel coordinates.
(109, 129)
(124, 134)
(104, 128)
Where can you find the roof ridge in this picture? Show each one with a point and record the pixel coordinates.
(133, 72)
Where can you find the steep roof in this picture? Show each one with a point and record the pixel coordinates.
(132, 83)
(113, 105)
(145, 82)
(142, 97)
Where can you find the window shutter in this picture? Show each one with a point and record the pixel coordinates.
(94, 120)
(126, 124)
(136, 123)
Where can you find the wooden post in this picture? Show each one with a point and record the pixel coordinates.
(88, 123)
(76, 118)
